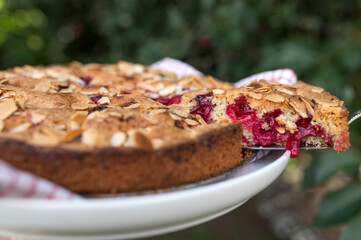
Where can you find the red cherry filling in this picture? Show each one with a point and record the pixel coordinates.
(264, 129)
(204, 106)
(86, 79)
(95, 98)
(169, 100)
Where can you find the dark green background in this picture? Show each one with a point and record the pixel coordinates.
(320, 40)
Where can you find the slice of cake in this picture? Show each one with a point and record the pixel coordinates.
(272, 113)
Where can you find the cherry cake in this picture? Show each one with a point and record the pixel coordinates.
(110, 128)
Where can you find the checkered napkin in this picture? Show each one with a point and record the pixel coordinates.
(19, 184)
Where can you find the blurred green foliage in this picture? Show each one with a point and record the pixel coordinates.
(320, 40)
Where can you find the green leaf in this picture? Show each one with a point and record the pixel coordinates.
(327, 163)
(339, 206)
(352, 230)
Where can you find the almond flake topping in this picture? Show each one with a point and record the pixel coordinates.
(60, 127)
(262, 89)
(74, 125)
(167, 90)
(275, 98)
(316, 89)
(175, 117)
(44, 140)
(103, 90)
(298, 106)
(80, 106)
(308, 106)
(191, 122)
(218, 91)
(180, 113)
(134, 105)
(21, 128)
(200, 120)
(90, 137)
(71, 135)
(79, 116)
(118, 139)
(157, 143)
(2, 81)
(7, 108)
(37, 118)
(104, 100)
(255, 95)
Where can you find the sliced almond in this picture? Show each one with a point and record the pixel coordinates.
(53, 133)
(90, 137)
(2, 81)
(42, 139)
(60, 126)
(2, 125)
(76, 80)
(200, 120)
(218, 91)
(308, 106)
(116, 114)
(157, 111)
(68, 90)
(43, 86)
(275, 98)
(257, 96)
(79, 116)
(175, 117)
(104, 100)
(297, 104)
(7, 108)
(92, 115)
(180, 113)
(191, 122)
(285, 90)
(118, 139)
(21, 128)
(89, 93)
(37, 118)
(281, 130)
(316, 89)
(262, 89)
(74, 125)
(132, 106)
(71, 135)
(157, 143)
(62, 84)
(327, 103)
(167, 90)
(80, 106)
(7, 87)
(103, 90)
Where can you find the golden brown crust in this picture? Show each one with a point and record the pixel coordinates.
(112, 170)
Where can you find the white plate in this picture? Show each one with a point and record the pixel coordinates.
(137, 216)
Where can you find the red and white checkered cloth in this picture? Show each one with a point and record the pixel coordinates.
(19, 184)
